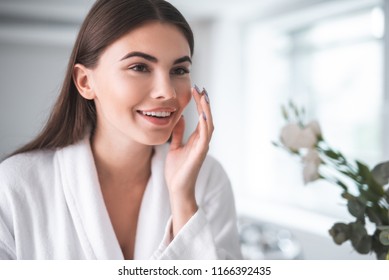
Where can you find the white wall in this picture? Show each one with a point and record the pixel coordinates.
(35, 43)
(30, 79)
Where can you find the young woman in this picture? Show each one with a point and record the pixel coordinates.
(102, 181)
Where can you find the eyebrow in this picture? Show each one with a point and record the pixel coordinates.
(153, 58)
(183, 59)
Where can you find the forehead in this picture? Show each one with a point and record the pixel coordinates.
(162, 40)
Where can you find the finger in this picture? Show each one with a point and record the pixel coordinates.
(203, 131)
(200, 133)
(206, 108)
(197, 94)
(178, 134)
(203, 108)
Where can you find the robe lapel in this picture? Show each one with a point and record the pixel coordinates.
(85, 201)
(155, 209)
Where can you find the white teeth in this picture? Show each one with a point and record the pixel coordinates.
(157, 114)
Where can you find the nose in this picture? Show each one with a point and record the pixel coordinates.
(163, 88)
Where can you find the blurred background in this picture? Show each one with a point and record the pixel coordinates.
(330, 56)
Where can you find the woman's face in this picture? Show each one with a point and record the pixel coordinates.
(141, 84)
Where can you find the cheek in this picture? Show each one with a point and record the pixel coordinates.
(185, 95)
(119, 91)
(186, 98)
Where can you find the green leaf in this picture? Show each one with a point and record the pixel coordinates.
(360, 240)
(380, 173)
(356, 208)
(363, 170)
(379, 249)
(341, 184)
(375, 187)
(378, 215)
(369, 195)
(383, 227)
(364, 245)
(373, 216)
(384, 237)
(295, 109)
(331, 154)
(340, 233)
(285, 113)
(276, 144)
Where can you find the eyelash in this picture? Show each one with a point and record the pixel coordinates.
(137, 66)
(177, 71)
(182, 70)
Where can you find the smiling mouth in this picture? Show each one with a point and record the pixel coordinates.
(156, 114)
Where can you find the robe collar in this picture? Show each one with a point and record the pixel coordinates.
(89, 214)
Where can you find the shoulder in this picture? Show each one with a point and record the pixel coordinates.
(26, 167)
(213, 167)
(213, 177)
(26, 161)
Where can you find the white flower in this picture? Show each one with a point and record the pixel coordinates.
(315, 127)
(294, 137)
(311, 163)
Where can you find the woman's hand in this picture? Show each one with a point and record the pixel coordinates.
(184, 161)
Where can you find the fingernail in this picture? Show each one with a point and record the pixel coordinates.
(206, 98)
(206, 95)
(197, 88)
(204, 116)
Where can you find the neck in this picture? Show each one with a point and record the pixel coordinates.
(121, 162)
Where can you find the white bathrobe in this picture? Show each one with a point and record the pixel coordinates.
(51, 207)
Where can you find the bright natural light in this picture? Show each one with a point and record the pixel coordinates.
(332, 67)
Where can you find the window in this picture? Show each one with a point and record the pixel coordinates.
(334, 68)
(338, 66)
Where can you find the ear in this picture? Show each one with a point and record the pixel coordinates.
(83, 81)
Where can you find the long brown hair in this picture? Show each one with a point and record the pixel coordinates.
(106, 22)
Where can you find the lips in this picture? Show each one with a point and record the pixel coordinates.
(157, 116)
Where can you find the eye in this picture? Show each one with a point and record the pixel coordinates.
(139, 68)
(180, 71)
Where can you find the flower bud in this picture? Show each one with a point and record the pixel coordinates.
(315, 127)
(311, 163)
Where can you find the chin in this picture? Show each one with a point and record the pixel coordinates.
(155, 141)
